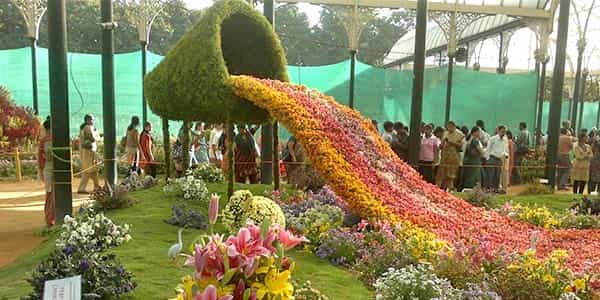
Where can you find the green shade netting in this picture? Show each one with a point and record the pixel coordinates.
(381, 94)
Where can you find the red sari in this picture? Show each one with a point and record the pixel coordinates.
(146, 156)
(49, 207)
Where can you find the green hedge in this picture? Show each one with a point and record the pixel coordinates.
(192, 82)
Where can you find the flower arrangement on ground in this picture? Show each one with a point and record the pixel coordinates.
(92, 232)
(244, 207)
(187, 188)
(207, 172)
(80, 250)
(16, 123)
(315, 222)
(248, 265)
(414, 282)
(186, 217)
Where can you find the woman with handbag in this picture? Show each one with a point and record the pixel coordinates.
(88, 136)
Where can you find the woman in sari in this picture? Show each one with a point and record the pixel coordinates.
(132, 143)
(147, 157)
(200, 144)
(45, 169)
(245, 156)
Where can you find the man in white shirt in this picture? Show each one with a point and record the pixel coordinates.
(496, 152)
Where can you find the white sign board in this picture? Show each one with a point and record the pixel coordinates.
(63, 289)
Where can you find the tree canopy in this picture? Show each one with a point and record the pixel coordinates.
(323, 43)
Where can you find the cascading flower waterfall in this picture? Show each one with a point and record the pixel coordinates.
(359, 166)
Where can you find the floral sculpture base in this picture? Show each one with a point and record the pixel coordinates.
(348, 152)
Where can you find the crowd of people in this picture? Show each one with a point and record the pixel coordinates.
(456, 158)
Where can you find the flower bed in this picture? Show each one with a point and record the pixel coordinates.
(363, 170)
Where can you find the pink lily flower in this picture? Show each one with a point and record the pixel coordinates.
(289, 240)
(210, 293)
(245, 248)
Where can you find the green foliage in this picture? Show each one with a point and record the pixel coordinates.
(192, 82)
(479, 197)
(104, 199)
(537, 189)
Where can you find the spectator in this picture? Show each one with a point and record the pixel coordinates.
(459, 177)
(293, 157)
(245, 156)
(375, 124)
(450, 146)
(581, 164)
(200, 144)
(594, 185)
(472, 162)
(388, 132)
(484, 136)
(45, 171)
(429, 149)
(88, 136)
(438, 132)
(132, 144)
(565, 145)
(540, 138)
(566, 124)
(213, 144)
(146, 156)
(521, 151)
(508, 163)
(400, 141)
(497, 152)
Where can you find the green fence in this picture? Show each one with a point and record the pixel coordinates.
(381, 94)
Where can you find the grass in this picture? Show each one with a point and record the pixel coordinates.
(554, 202)
(156, 275)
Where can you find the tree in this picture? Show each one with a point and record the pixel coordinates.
(293, 28)
(381, 34)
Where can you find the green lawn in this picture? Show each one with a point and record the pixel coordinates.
(555, 202)
(146, 254)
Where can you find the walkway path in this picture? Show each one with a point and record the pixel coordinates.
(22, 218)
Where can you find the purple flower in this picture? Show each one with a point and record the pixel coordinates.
(84, 265)
(68, 250)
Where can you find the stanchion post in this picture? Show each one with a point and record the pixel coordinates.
(18, 165)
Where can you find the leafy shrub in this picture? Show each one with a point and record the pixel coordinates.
(532, 167)
(243, 207)
(187, 188)
(571, 219)
(528, 277)
(102, 275)
(341, 246)
(183, 216)
(414, 282)
(106, 198)
(587, 206)
(539, 216)
(315, 222)
(537, 189)
(479, 197)
(208, 173)
(79, 251)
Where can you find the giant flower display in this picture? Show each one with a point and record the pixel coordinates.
(16, 122)
(360, 167)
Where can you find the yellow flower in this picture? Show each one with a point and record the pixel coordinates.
(184, 289)
(579, 284)
(548, 279)
(277, 285)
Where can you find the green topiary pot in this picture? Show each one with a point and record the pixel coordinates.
(192, 82)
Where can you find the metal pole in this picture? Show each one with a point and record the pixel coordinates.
(537, 93)
(108, 93)
(500, 64)
(542, 95)
(36, 108)
(582, 99)
(468, 55)
(558, 77)
(59, 106)
(230, 158)
(143, 46)
(266, 134)
(167, 145)
(352, 67)
(577, 86)
(449, 87)
(416, 107)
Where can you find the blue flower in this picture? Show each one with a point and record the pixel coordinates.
(84, 265)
